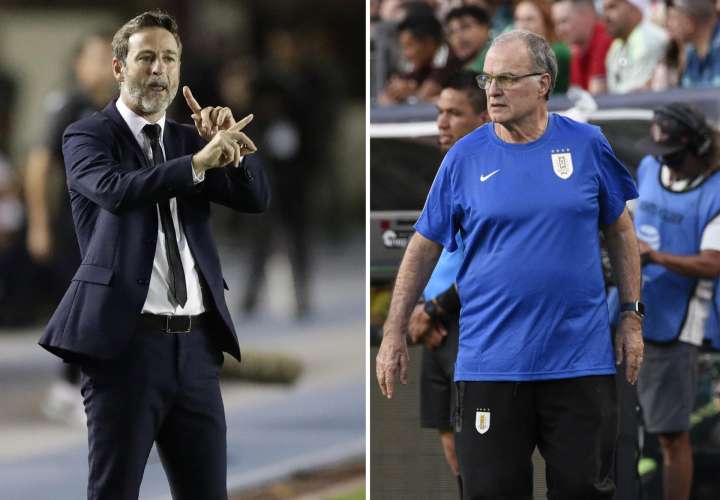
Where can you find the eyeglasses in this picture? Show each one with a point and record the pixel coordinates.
(502, 81)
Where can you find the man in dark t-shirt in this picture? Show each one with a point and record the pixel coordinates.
(51, 240)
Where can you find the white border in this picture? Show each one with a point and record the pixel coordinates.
(367, 250)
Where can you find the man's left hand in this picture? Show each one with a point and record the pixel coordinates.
(208, 120)
(629, 345)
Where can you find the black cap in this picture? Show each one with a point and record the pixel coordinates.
(673, 129)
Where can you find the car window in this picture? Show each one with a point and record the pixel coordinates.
(401, 172)
(623, 135)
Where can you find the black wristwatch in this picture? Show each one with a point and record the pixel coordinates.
(431, 309)
(636, 307)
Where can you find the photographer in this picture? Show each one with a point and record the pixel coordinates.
(678, 226)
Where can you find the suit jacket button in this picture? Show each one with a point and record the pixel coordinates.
(141, 282)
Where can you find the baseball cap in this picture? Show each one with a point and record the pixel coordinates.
(671, 130)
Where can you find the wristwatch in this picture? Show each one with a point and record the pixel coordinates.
(431, 309)
(636, 307)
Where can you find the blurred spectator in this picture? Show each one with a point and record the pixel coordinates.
(637, 47)
(51, 240)
(51, 235)
(421, 41)
(578, 24)
(375, 10)
(395, 11)
(16, 290)
(11, 213)
(468, 33)
(8, 91)
(667, 72)
(295, 110)
(695, 23)
(535, 16)
(501, 14)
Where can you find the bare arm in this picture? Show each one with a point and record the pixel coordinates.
(625, 259)
(705, 265)
(420, 258)
(597, 85)
(39, 236)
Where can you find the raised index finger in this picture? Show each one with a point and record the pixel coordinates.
(241, 124)
(190, 100)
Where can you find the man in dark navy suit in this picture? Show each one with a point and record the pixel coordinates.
(145, 314)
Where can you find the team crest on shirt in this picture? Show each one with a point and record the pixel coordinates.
(482, 420)
(562, 163)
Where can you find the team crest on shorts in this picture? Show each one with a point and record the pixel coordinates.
(562, 163)
(482, 420)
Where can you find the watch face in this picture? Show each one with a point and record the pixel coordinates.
(430, 308)
(636, 307)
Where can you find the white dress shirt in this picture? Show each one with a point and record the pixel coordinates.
(158, 301)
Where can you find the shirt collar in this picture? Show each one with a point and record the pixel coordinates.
(136, 122)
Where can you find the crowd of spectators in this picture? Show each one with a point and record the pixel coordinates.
(602, 46)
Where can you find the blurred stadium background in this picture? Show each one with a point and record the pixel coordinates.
(297, 406)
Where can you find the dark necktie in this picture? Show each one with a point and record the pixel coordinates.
(176, 275)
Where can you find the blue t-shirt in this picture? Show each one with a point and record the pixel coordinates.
(445, 272)
(672, 222)
(531, 283)
(703, 72)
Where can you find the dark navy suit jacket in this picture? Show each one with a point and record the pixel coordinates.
(114, 191)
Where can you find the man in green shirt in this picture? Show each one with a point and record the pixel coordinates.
(468, 33)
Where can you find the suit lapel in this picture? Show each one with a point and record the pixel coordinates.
(170, 140)
(124, 132)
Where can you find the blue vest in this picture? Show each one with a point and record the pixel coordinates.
(672, 222)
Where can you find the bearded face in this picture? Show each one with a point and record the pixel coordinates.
(151, 95)
(149, 76)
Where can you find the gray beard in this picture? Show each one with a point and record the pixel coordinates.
(147, 104)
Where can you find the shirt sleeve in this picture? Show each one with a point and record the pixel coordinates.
(616, 185)
(437, 221)
(197, 177)
(711, 235)
(597, 58)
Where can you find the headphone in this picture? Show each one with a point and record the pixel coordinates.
(701, 137)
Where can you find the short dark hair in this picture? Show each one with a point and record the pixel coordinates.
(84, 42)
(150, 19)
(589, 3)
(422, 26)
(480, 15)
(465, 81)
(697, 9)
